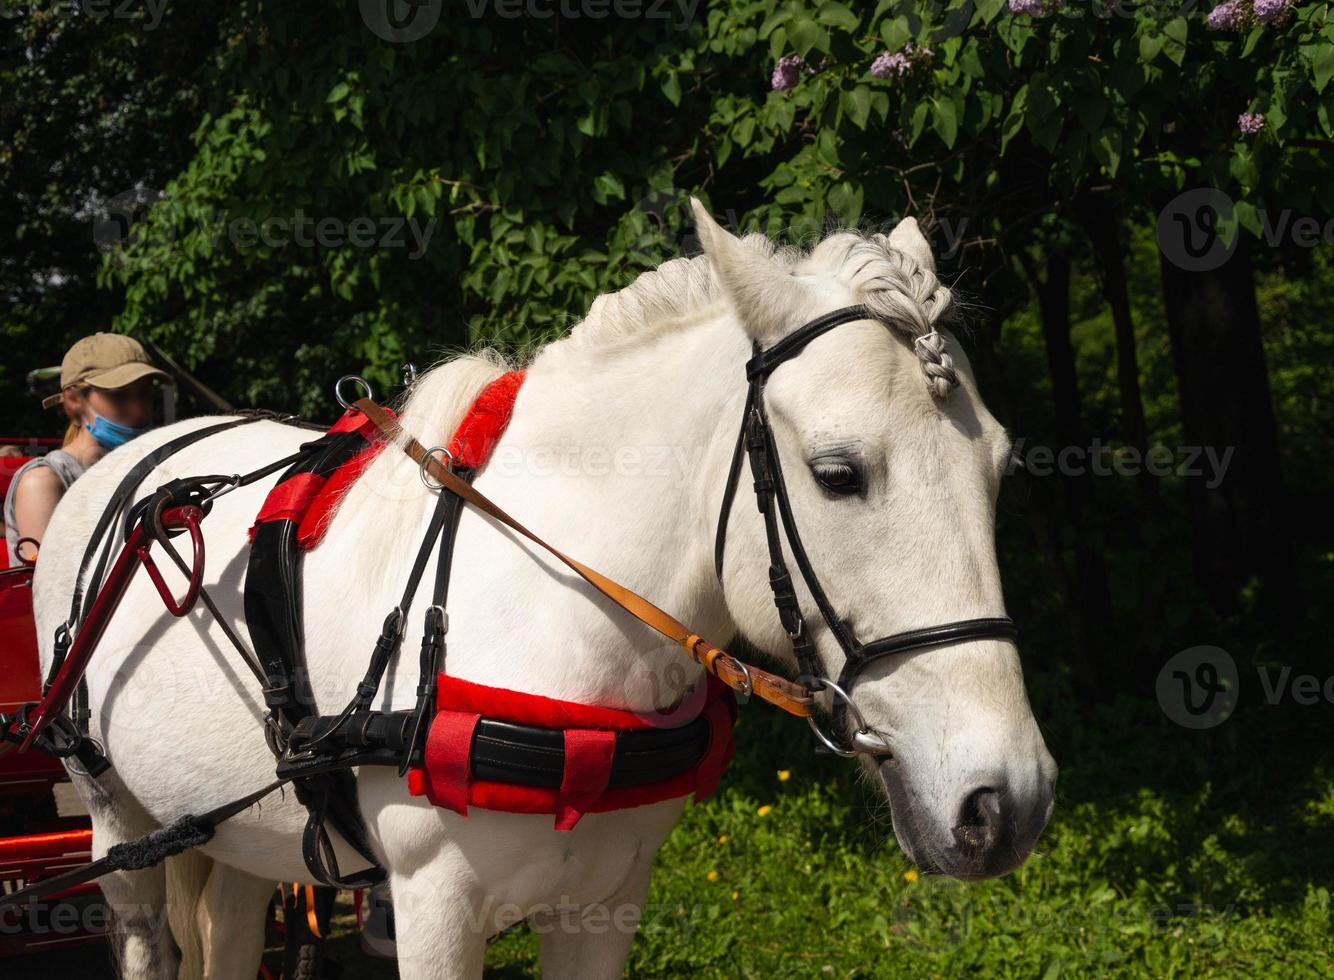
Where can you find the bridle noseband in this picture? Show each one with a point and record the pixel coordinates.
(757, 439)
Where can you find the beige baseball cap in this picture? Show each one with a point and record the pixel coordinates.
(104, 360)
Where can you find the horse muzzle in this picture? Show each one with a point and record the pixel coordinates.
(983, 829)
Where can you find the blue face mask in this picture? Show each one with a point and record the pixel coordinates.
(111, 434)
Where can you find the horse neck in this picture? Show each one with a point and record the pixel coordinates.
(615, 456)
(618, 458)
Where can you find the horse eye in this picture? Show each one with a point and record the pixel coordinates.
(838, 477)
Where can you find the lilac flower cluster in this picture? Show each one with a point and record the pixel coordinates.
(899, 64)
(1251, 123)
(787, 72)
(1033, 8)
(1232, 16)
(1238, 15)
(1272, 11)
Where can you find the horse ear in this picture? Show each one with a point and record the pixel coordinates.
(908, 238)
(762, 292)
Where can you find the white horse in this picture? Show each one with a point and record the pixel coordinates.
(617, 453)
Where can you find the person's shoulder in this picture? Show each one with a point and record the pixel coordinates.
(37, 477)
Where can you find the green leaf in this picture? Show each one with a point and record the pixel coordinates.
(895, 33)
(918, 121)
(845, 200)
(1107, 148)
(339, 92)
(1321, 59)
(781, 111)
(671, 87)
(780, 16)
(1252, 39)
(837, 15)
(857, 104)
(607, 186)
(1176, 29)
(1091, 109)
(1150, 45)
(807, 34)
(744, 130)
(1325, 114)
(1014, 119)
(945, 121)
(1247, 216)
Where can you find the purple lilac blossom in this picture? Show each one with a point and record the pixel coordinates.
(1268, 11)
(786, 72)
(899, 64)
(1231, 16)
(1251, 123)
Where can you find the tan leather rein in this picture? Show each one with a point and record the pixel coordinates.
(737, 675)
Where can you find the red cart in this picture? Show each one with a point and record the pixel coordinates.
(43, 828)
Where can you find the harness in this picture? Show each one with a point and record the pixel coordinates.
(462, 744)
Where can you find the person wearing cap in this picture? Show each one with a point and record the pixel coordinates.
(106, 389)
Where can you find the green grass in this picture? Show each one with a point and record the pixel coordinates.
(1171, 854)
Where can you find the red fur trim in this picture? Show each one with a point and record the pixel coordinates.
(290, 498)
(456, 694)
(321, 509)
(485, 421)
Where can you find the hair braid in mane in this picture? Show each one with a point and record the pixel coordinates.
(910, 299)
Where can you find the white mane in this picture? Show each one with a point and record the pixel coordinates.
(898, 290)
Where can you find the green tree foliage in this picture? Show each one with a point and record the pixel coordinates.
(322, 198)
(94, 108)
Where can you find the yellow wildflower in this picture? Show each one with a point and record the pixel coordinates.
(735, 896)
(784, 775)
(910, 875)
(712, 876)
(765, 810)
(724, 838)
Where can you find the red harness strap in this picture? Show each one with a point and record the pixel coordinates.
(590, 740)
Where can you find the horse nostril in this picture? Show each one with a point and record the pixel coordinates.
(979, 823)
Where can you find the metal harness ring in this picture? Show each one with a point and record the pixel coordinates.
(862, 727)
(338, 389)
(425, 462)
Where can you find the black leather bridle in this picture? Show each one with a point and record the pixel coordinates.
(757, 438)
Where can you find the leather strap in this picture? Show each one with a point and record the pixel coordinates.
(778, 691)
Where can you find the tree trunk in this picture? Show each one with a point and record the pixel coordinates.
(1090, 599)
(1097, 214)
(1237, 507)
